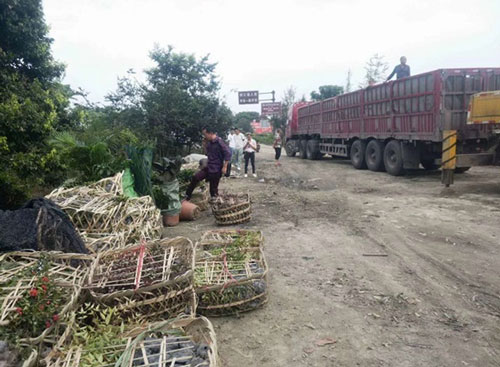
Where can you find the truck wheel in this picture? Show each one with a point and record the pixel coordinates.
(461, 169)
(429, 164)
(358, 149)
(290, 148)
(313, 152)
(374, 156)
(393, 158)
(303, 149)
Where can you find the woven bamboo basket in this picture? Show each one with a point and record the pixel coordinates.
(149, 281)
(184, 341)
(230, 272)
(17, 278)
(201, 198)
(100, 209)
(231, 209)
(226, 287)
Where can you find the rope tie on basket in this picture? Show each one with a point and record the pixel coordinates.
(226, 270)
(140, 262)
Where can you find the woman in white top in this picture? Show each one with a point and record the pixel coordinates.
(249, 154)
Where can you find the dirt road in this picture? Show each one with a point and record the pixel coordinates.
(397, 271)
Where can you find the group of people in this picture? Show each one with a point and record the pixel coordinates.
(221, 157)
(242, 148)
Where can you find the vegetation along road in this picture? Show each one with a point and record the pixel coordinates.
(367, 269)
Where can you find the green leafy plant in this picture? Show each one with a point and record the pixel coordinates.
(98, 329)
(267, 139)
(90, 157)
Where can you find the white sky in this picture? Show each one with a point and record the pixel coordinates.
(265, 45)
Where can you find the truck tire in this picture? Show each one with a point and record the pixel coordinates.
(290, 148)
(303, 149)
(313, 152)
(429, 164)
(393, 158)
(357, 154)
(460, 170)
(374, 156)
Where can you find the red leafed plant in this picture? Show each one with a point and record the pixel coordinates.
(39, 305)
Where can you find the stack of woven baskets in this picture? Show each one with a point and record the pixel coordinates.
(232, 209)
(105, 218)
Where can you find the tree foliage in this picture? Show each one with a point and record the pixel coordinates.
(243, 119)
(33, 102)
(94, 151)
(375, 71)
(326, 91)
(177, 100)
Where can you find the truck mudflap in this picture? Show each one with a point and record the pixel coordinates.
(449, 157)
(411, 155)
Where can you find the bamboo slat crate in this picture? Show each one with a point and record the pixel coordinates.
(172, 343)
(230, 272)
(151, 281)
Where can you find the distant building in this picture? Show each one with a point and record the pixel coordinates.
(261, 127)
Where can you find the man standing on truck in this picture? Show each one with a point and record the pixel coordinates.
(218, 157)
(402, 70)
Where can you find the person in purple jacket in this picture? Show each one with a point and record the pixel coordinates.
(218, 157)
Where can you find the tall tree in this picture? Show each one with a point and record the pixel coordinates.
(243, 119)
(33, 102)
(287, 101)
(177, 100)
(375, 70)
(327, 91)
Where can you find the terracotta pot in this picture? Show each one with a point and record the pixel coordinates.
(189, 211)
(170, 220)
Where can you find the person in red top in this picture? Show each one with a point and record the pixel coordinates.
(218, 157)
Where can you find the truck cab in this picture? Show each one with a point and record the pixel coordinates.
(292, 126)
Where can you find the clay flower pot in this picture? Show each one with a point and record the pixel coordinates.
(170, 220)
(189, 211)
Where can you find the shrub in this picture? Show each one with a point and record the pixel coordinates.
(267, 139)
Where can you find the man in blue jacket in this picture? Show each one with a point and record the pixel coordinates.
(402, 70)
(218, 157)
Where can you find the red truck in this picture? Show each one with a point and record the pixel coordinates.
(401, 124)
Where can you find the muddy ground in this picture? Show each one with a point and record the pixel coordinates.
(394, 271)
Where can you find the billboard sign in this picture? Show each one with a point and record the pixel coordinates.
(271, 109)
(248, 97)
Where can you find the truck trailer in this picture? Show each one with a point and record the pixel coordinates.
(401, 125)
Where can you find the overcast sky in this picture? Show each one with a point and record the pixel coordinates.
(270, 44)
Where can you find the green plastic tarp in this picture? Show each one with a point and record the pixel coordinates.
(128, 184)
